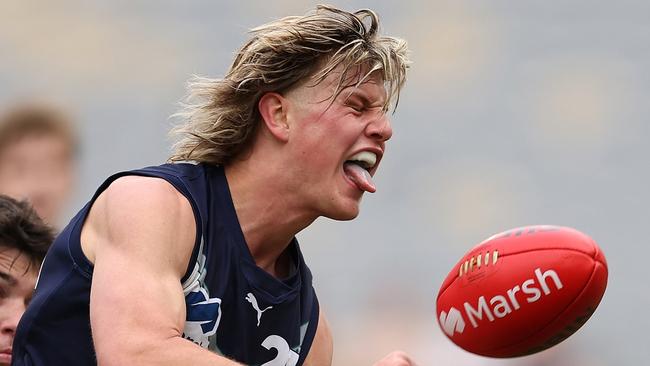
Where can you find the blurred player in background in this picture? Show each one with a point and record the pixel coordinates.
(24, 240)
(37, 158)
(196, 262)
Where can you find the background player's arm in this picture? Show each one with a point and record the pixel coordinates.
(140, 234)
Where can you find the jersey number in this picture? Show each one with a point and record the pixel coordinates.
(285, 357)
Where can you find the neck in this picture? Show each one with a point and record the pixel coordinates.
(268, 218)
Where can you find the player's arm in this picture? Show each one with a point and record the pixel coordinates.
(140, 234)
(322, 347)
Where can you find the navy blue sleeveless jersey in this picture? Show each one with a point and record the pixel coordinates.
(234, 308)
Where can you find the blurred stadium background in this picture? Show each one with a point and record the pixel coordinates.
(515, 113)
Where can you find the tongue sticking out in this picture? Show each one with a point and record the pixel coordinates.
(360, 177)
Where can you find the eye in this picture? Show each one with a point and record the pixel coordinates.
(357, 107)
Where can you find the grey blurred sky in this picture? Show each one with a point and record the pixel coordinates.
(516, 113)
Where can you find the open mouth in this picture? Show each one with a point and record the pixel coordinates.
(358, 169)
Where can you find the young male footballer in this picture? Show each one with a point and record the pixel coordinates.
(195, 262)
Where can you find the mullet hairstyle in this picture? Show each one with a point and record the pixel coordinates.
(22, 229)
(220, 116)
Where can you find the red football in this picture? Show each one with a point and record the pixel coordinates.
(522, 291)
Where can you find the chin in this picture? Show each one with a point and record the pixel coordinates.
(343, 217)
(343, 214)
(341, 205)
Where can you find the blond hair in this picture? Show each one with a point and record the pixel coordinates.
(220, 115)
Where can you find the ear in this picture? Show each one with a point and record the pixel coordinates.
(273, 110)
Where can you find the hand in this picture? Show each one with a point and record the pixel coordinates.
(396, 358)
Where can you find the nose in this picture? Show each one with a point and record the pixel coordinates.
(13, 313)
(380, 128)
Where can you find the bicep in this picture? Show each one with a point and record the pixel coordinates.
(142, 237)
(131, 305)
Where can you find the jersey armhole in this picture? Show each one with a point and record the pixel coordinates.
(180, 186)
(311, 330)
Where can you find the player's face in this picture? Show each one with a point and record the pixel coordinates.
(17, 282)
(337, 148)
(39, 169)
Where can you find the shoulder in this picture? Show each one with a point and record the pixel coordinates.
(140, 213)
(136, 189)
(137, 200)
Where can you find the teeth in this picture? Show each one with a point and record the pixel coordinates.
(366, 159)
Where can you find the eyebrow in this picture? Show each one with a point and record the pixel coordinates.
(8, 278)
